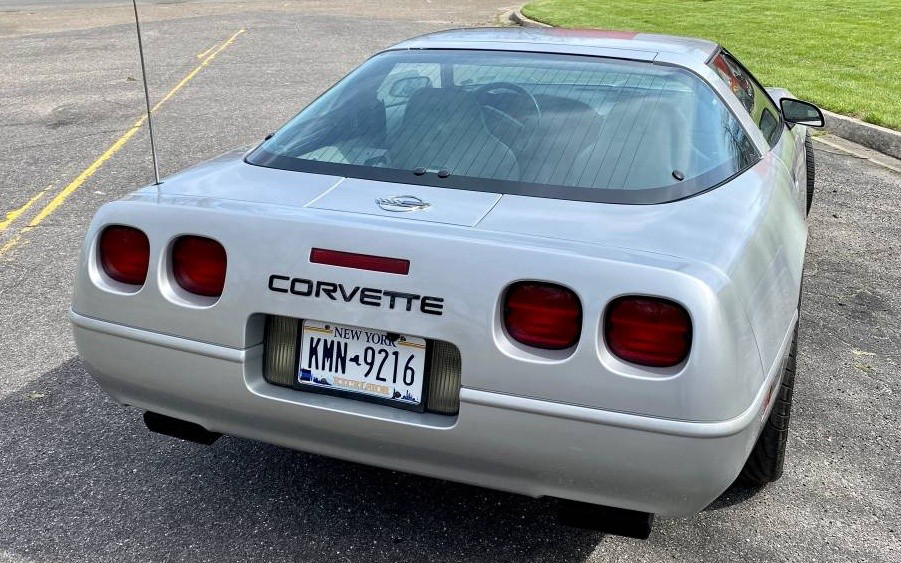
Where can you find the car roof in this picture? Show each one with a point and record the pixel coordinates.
(597, 42)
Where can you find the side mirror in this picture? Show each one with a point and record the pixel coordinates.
(802, 113)
(404, 87)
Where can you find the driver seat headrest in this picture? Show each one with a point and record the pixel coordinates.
(450, 107)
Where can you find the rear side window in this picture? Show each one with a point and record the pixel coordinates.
(751, 95)
(560, 126)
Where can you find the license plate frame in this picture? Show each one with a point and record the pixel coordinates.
(358, 395)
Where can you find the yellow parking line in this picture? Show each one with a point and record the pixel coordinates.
(13, 241)
(207, 52)
(116, 146)
(193, 73)
(16, 213)
(90, 170)
(85, 174)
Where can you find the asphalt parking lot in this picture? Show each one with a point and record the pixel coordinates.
(82, 480)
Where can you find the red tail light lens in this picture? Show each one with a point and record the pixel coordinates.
(648, 331)
(199, 264)
(124, 254)
(543, 315)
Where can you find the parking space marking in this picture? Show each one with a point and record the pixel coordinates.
(856, 154)
(191, 75)
(13, 241)
(16, 213)
(207, 52)
(64, 194)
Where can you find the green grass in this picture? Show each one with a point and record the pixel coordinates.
(844, 55)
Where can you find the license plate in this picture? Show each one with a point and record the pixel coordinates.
(361, 360)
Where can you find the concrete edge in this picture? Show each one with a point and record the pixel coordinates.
(518, 18)
(880, 139)
(875, 137)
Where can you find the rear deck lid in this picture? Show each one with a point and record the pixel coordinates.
(404, 201)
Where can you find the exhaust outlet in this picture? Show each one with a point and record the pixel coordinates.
(607, 519)
(177, 428)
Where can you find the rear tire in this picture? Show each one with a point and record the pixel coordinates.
(765, 463)
(811, 170)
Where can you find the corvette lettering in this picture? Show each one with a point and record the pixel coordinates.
(370, 296)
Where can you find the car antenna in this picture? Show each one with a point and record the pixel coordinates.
(156, 170)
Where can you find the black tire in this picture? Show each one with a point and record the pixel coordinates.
(764, 464)
(811, 170)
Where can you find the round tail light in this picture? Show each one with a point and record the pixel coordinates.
(543, 315)
(648, 331)
(124, 254)
(199, 264)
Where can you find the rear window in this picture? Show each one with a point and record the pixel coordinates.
(559, 126)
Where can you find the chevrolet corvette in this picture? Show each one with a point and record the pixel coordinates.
(561, 263)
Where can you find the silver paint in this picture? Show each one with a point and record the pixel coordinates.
(578, 423)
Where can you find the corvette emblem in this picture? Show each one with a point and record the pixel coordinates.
(400, 203)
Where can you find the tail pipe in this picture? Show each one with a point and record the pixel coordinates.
(177, 428)
(607, 519)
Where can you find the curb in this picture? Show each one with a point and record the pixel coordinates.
(517, 18)
(880, 139)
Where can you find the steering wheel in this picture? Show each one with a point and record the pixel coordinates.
(516, 132)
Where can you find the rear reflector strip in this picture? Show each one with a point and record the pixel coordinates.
(360, 261)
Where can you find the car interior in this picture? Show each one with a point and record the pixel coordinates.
(616, 136)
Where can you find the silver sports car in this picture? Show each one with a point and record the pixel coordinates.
(560, 263)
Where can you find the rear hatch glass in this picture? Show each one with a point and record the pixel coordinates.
(549, 125)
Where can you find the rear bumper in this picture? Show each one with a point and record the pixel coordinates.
(504, 442)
